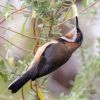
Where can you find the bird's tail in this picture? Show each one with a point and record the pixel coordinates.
(19, 82)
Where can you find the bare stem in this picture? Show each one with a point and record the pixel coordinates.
(36, 34)
(31, 86)
(22, 93)
(89, 7)
(79, 13)
(13, 13)
(30, 37)
(50, 26)
(36, 85)
(15, 45)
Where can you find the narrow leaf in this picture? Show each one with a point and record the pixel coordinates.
(40, 94)
(11, 61)
(85, 3)
(23, 26)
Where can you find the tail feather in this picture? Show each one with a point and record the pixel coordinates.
(19, 82)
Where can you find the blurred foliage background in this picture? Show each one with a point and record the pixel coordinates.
(27, 24)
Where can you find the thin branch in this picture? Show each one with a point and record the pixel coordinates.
(31, 86)
(22, 93)
(73, 2)
(67, 13)
(79, 13)
(36, 34)
(89, 7)
(36, 85)
(15, 9)
(50, 26)
(30, 37)
(15, 45)
(13, 13)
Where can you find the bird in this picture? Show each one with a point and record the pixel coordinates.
(50, 57)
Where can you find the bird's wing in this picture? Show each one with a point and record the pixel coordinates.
(39, 52)
(53, 57)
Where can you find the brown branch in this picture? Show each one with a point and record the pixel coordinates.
(73, 2)
(30, 37)
(15, 45)
(50, 26)
(4, 20)
(79, 13)
(31, 86)
(6, 7)
(22, 94)
(36, 45)
(13, 13)
(15, 9)
(67, 13)
(36, 85)
(89, 7)
(34, 26)
(36, 34)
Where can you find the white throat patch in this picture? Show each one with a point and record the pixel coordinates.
(74, 31)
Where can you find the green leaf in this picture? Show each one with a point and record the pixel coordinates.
(1, 13)
(8, 10)
(4, 76)
(85, 3)
(11, 61)
(40, 94)
(23, 26)
(34, 14)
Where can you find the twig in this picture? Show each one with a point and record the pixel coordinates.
(50, 26)
(37, 97)
(36, 34)
(13, 13)
(88, 7)
(15, 45)
(67, 13)
(31, 86)
(34, 26)
(30, 37)
(6, 7)
(15, 9)
(22, 93)
(73, 2)
(79, 13)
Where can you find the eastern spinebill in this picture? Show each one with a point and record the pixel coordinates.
(50, 56)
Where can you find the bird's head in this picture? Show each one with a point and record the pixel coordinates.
(75, 35)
